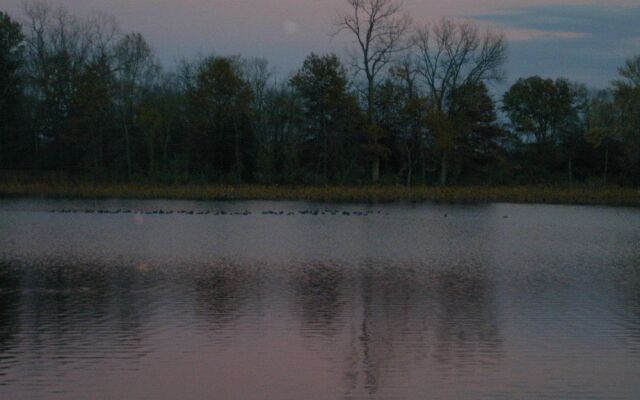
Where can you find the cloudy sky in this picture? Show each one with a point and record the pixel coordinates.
(579, 39)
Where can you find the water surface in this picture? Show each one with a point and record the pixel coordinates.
(320, 302)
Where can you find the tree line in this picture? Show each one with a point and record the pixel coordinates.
(409, 105)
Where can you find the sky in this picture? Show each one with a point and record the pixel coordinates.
(582, 40)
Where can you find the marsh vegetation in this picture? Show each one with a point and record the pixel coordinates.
(354, 194)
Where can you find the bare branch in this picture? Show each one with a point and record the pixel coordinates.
(378, 28)
(453, 55)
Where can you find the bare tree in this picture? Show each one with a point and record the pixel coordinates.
(102, 34)
(59, 49)
(405, 74)
(378, 28)
(261, 78)
(136, 71)
(259, 75)
(58, 46)
(454, 55)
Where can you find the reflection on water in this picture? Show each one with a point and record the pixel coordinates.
(320, 294)
(406, 303)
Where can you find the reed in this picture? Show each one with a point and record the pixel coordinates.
(366, 194)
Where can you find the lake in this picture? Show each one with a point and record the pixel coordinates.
(118, 299)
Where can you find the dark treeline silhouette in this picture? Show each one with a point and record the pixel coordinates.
(411, 105)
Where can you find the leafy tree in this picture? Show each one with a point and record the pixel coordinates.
(91, 116)
(553, 113)
(614, 122)
(572, 133)
(627, 101)
(604, 129)
(219, 111)
(77, 95)
(477, 139)
(285, 126)
(630, 72)
(539, 107)
(162, 123)
(321, 84)
(402, 113)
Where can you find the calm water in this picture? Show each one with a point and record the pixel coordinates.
(369, 302)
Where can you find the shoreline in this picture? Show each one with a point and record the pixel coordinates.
(578, 195)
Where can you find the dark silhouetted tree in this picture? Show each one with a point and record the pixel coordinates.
(219, 111)
(454, 55)
(11, 91)
(378, 28)
(327, 107)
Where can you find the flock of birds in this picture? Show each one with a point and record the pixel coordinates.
(333, 212)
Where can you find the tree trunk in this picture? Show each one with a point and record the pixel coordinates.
(165, 153)
(409, 166)
(570, 172)
(324, 162)
(238, 155)
(443, 168)
(3, 129)
(423, 161)
(100, 153)
(127, 144)
(606, 163)
(165, 146)
(151, 155)
(375, 165)
(325, 151)
(375, 169)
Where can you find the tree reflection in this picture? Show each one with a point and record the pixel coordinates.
(410, 316)
(389, 336)
(319, 291)
(69, 311)
(627, 283)
(10, 297)
(466, 328)
(221, 289)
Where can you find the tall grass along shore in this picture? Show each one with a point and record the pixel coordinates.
(367, 194)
